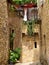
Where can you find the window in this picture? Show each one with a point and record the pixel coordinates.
(35, 44)
(11, 39)
(12, 31)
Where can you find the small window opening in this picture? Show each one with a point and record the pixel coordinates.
(11, 39)
(35, 43)
(12, 31)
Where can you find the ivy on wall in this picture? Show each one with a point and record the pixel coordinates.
(30, 27)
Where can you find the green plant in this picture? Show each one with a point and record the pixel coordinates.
(12, 8)
(18, 51)
(15, 55)
(24, 1)
(30, 27)
(34, 1)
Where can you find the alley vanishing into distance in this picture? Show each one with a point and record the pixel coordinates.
(24, 32)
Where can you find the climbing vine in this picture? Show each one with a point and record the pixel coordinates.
(30, 27)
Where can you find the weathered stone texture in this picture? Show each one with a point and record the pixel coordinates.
(4, 43)
(29, 52)
(43, 12)
(15, 24)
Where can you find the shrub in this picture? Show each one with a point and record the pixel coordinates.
(15, 55)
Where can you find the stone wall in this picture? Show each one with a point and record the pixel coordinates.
(15, 24)
(4, 35)
(44, 14)
(29, 52)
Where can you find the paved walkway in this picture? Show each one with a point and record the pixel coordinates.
(36, 63)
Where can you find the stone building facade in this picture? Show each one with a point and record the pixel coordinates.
(26, 42)
(34, 48)
(42, 38)
(15, 24)
(44, 15)
(31, 44)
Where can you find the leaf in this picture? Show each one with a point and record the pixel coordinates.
(15, 54)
